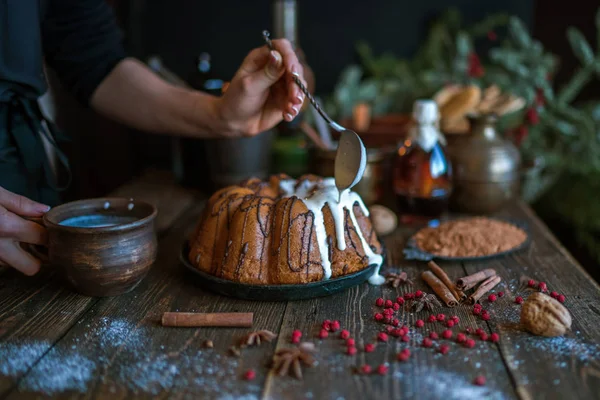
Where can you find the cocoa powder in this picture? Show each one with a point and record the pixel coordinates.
(470, 237)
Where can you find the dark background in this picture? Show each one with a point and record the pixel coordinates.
(105, 155)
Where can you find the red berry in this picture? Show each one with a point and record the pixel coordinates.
(408, 296)
(326, 325)
(477, 305)
(323, 334)
(444, 349)
(492, 35)
(470, 343)
(461, 338)
(554, 295)
(400, 300)
(449, 323)
(500, 294)
(388, 304)
(455, 319)
(447, 334)
(479, 331)
(297, 333)
(295, 339)
(432, 318)
(519, 300)
(480, 380)
(351, 350)
(388, 312)
(396, 306)
(483, 336)
(427, 342)
(522, 133)
(397, 332)
(396, 322)
(250, 375)
(531, 283)
(378, 317)
(406, 338)
(469, 330)
(389, 329)
(365, 369)
(532, 116)
(476, 311)
(379, 302)
(542, 287)
(405, 351)
(388, 319)
(561, 298)
(492, 298)
(402, 356)
(383, 337)
(494, 337)
(418, 294)
(382, 369)
(420, 323)
(369, 347)
(344, 334)
(335, 325)
(433, 336)
(441, 317)
(485, 317)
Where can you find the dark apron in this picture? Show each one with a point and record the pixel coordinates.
(24, 166)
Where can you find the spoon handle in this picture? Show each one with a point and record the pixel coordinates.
(315, 104)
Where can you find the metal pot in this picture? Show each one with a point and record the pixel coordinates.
(486, 168)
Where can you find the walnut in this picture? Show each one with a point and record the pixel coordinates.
(544, 316)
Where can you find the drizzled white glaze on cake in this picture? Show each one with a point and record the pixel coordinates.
(315, 196)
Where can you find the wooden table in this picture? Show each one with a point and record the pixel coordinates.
(57, 343)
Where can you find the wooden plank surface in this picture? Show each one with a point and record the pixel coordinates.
(115, 347)
(428, 374)
(35, 312)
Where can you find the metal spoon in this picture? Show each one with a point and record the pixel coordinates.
(351, 155)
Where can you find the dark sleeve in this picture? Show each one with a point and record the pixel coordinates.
(82, 44)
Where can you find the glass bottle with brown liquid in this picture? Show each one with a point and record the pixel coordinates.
(421, 172)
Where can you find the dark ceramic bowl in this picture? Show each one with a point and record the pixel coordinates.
(103, 247)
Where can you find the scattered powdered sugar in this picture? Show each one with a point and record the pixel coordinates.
(59, 373)
(562, 348)
(17, 357)
(439, 384)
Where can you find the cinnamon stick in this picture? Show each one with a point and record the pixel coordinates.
(470, 281)
(440, 273)
(485, 287)
(240, 320)
(439, 288)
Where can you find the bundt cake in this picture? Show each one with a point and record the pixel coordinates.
(285, 231)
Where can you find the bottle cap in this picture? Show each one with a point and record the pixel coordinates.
(425, 111)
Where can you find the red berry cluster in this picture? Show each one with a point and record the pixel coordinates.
(542, 287)
(479, 310)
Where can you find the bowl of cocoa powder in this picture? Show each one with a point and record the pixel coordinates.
(467, 239)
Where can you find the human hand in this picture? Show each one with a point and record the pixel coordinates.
(262, 92)
(14, 228)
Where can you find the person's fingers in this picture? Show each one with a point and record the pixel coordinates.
(225, 87)
(12, 254)
(21, 205)
(259, 81)
(15, 227)
(290, 59)
(254, 61)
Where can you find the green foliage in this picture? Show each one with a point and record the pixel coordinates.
(563, 147)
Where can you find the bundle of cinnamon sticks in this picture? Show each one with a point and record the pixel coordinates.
(454, 293)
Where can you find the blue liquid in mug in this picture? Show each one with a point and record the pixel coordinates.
(97, 221)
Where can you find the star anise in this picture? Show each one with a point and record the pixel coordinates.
(428, 301)
(397, 279)
(257, 337)
(293, 358)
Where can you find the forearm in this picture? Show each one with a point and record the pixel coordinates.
(133, 95)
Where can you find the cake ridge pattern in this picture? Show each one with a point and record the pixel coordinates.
(284, 231)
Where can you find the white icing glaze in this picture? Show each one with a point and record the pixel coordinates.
(327, 193)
